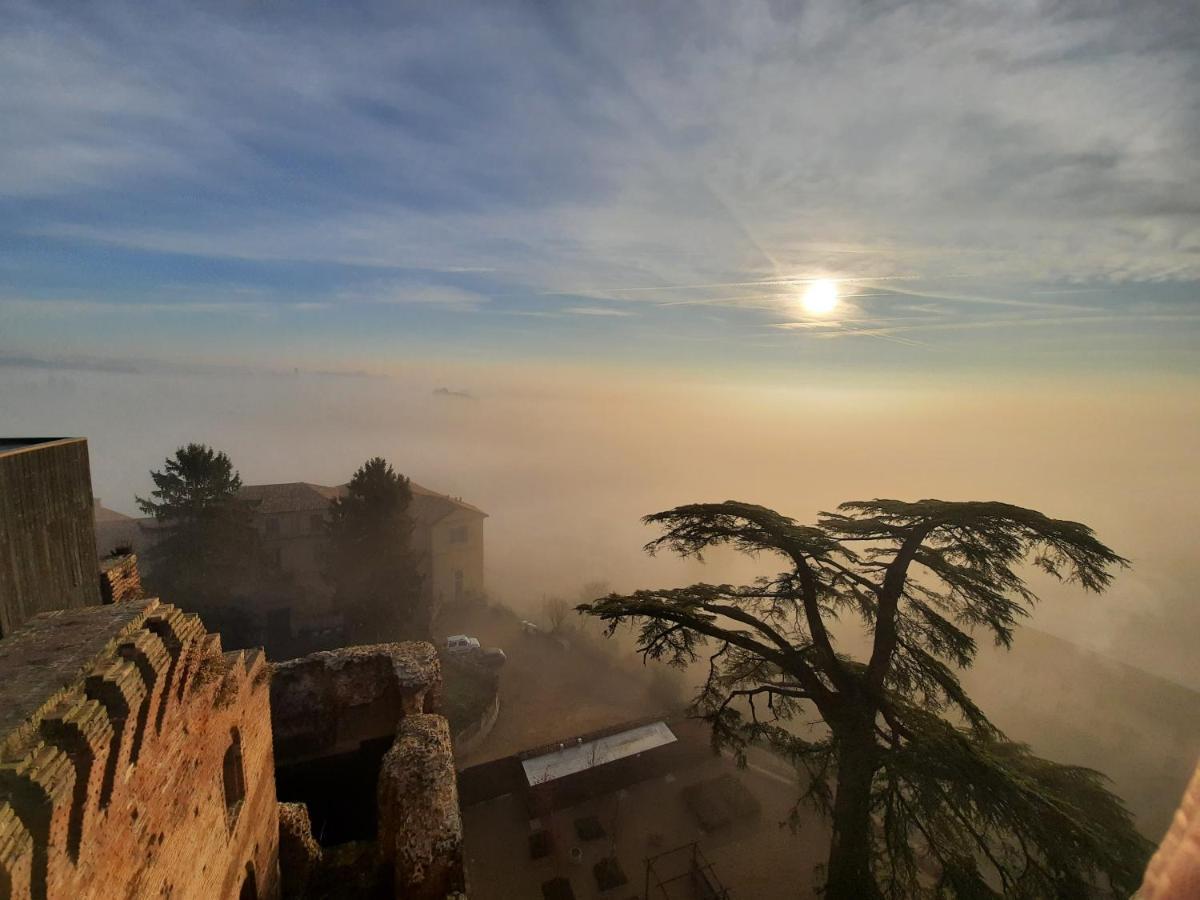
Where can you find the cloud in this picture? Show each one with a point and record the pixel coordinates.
(438, 295)
(699, 156)
(597, 311)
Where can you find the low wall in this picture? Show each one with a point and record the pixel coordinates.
(330, 702)
(468, 739)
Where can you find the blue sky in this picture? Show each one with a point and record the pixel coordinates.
(994, 186)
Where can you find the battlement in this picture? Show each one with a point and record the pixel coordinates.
(116, 727)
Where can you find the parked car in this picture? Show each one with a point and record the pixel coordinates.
(461, 643)
(528, 627)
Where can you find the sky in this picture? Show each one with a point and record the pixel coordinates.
(993, 186)
(554, 258)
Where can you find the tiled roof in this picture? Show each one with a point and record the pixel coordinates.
(428, 506)
(103, 514)
(295, 496)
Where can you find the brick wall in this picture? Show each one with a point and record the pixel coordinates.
(135, 760)
(120, 579)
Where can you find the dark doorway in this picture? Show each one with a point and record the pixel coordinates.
(338, 790)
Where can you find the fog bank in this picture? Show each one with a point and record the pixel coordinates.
(565, 461)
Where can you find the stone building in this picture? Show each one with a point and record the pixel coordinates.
(47, 553)
(447, 539)
(135, 759)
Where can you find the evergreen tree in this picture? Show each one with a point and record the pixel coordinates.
(926, 796)
(206, 549)
(371, 563)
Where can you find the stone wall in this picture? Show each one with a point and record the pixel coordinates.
(420, 828)
(329, 706)
(135, 760)
(120, 579)
(47, 549)
(330, 702)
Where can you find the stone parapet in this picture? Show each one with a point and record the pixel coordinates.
(420, 828)
(330, 702)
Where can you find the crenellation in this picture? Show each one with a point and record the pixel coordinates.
(130, 741)
(39, 788)
(81, 729)
(95, 800)
(120, 690)
(152, 660)
(16, 853)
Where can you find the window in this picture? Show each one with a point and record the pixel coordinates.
(277, 557)
(233, 778)
(316, 524)
(458, 584)
(249, 884)
(273, 526)
(459, 534)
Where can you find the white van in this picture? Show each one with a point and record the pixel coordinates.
(461, 643)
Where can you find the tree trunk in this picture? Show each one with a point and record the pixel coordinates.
(849, 869)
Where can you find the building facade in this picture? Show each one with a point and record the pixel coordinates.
(291, 518)
(47, 552)
(447, 539)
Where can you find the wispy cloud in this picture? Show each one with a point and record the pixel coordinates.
(473, 159)
(403, 293)
(597, 311)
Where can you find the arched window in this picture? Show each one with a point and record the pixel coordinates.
(233, 777)
(249, 889)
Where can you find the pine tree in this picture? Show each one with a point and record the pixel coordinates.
(206, 549)
(927, 797)
(372, 565)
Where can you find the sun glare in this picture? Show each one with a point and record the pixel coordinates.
(821, 298)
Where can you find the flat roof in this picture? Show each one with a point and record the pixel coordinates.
(14, 444)
(579, 757)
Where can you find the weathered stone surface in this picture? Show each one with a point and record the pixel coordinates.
(122, 773)
(420, 828)
(120, 579)
(299, 852)
(330, 702)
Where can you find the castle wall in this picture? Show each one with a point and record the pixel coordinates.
(47, 549)
(135, 760)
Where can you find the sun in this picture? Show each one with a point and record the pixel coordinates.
(821, 298)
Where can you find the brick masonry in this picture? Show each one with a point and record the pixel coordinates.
(120, 579)
(135, 760)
